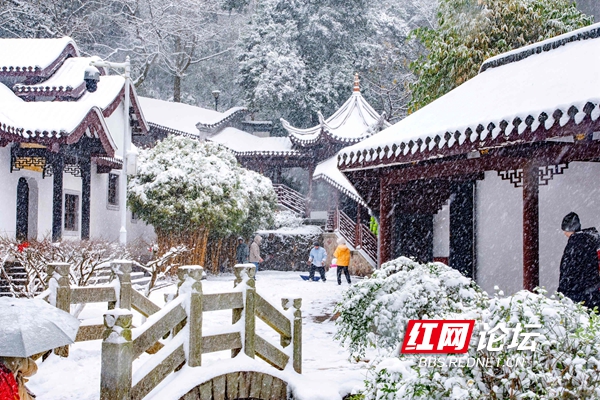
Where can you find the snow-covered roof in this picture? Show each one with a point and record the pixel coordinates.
(328, 171)
(64, 121)
(354, 121)
(525, 95)
(182, 118)
(67, 81)
(39, 57)
(244, 143)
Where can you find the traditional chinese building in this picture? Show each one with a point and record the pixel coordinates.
(61, 143)
(313, 150)
(483, 176)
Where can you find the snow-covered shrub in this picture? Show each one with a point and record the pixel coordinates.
(565, 362)
(287, 219)
(84, 256)
(374, 312)
(191, 190)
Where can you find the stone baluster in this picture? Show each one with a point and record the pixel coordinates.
(122, 270)
(117, 356)
(296, 332)
(195, 312)
(60, 273)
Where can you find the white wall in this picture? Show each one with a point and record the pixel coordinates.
(500, 225)
(578, 190)
(441, 232)
(499, 221)
(104, 223)
(8, 198)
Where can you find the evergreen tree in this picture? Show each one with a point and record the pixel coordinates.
(190, 191)
(298, 57)
(470, 31)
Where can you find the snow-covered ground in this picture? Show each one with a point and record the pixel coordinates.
(327, 372)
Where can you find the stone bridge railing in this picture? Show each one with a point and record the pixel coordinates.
(182, 319)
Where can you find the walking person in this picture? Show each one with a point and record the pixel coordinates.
(254, 256)
(316, 259)
(579, 277)
(342, 254)
(242, 252)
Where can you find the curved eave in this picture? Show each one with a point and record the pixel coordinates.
(167, 130)
(29, 71)
(340, 188)
(225, 119)
(134, 103)
(93, 123)
(530, 129)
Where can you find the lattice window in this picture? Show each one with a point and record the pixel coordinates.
(71, 212)
(113, 190)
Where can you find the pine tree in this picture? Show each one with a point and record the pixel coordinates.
(470, 31)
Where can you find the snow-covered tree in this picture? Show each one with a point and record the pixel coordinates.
(189, 190)
(298, 57)
(470, 31)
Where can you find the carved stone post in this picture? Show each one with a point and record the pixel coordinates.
(296, 332)
(60, 273)
(122, 269)
(117, 356)
(250, 313)
(248, 271)
(297, 336)
(195, 312)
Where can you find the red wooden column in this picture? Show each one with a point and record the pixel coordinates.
(357, 238)
(531, 227)
(385, 221)
(311, 171)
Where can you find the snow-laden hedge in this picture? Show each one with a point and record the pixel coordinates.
(374, 312)
(565, 363)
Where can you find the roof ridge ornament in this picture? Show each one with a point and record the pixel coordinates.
(356, 83)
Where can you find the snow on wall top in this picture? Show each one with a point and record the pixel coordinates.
(244, 143)
(550, 88)
(180, 117)
(329, 172)
(31, 55)
(351, 123)
(66, 81)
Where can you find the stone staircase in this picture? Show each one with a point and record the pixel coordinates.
(17, 276)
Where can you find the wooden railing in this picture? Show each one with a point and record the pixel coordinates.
(61, 294)
(182, 319)
(358, 235)
(290, 199)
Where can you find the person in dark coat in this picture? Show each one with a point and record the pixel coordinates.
(241, 251)
(579, 276)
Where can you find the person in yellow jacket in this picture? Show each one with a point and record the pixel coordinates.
(342, 254)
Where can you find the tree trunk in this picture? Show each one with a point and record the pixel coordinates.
(195, 241)
(177, 89)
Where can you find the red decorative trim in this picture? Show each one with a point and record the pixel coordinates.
(92, 120)
(33, 71)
